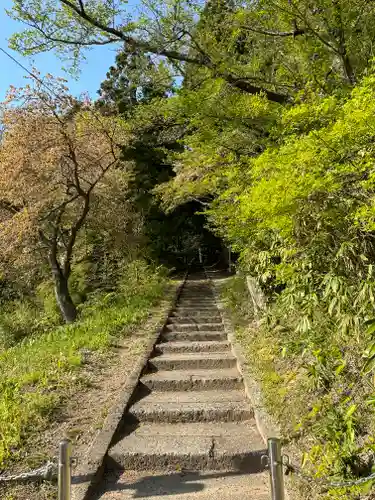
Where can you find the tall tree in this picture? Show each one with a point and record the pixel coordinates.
(134, 78)
(55, 154)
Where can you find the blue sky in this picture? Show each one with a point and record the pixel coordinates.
(93, 71)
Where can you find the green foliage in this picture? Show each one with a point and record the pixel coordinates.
(30, 315)
(281, 47)
(296, 202)
(134, 79)
(38, 372)
(313, 391)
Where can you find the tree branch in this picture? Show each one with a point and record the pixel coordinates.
(294, 33)
(73, 42)
(244, 85)
(175, 55)
(73, 236)
(81, 4)
(130, 40)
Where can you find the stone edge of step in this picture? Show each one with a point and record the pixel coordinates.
(198, 346)
(238, 411)
(128, 451)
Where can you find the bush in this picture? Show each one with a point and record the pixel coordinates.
(18, 319)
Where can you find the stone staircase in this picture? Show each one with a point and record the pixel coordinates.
(189, 412)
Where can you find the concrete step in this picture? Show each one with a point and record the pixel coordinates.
(193, 406)
(195, 312)
(195, 446)
(201, 306)
(203, 346)
(190, 361)
(193, 320)
(193, 380)
(205, 327)
(201, 292)
(192, 336)
(197, 296)
(196, 302)
(185, 485)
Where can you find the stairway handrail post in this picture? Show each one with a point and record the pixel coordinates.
(275, 465)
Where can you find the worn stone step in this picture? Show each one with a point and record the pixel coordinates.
(197, 295)
(193, 380)
(196, 302)
(187, 361)
(194, 312)
(192, 406)
(205, 327)
(192, 336)
(186, 485)
(205, 287)
(193, 320)
(195, 346)
(195, 446)
(201, 304)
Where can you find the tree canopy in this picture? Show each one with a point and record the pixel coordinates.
(278, 48)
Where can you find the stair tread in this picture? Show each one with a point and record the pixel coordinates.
(197, 438)
(203, 336)
(194, 346)
(201, 309)
(207, 485)
(186, 410)
(189, 397)
(194, 355)
(196, 374)
(201, 325)
(197, 300)
(193, 331)
(214, 318)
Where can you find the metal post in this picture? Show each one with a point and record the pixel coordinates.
(200, 255)
(65, 471)
(229, 259)
(276, 469)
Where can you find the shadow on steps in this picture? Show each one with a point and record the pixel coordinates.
(163, 484)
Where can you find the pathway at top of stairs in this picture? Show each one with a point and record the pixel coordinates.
(189, 432)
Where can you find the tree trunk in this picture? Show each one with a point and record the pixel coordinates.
(64, 300)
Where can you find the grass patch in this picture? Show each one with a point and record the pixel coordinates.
(40, 370)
